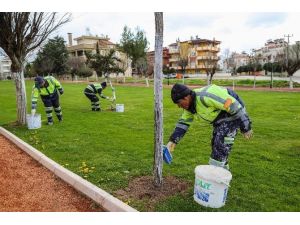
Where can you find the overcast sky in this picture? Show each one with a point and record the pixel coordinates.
(240, 25)
(237, 31)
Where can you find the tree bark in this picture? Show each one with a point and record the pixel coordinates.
(20, 97)
(158, 101)
(291, 82)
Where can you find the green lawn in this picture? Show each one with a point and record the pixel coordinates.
(223, 82)
(109, 148)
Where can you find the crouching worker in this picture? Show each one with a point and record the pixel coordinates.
(48, 88)
(219, 106)
(91, 92)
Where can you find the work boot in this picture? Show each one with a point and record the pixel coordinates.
(98, 109)
(93, 109)
(50, 122)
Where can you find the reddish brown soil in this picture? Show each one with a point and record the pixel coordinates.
(143, 189)
(27, 186)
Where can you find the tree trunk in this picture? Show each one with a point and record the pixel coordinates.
(233, 82)
(254, 81)
(158, 103)
(291, 82)
(147, 81)
(21, 96)
(207, 79)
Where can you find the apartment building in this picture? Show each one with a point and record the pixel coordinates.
(151, 59)
(201, 54)
(270, 50)
(89, 43)
(5, 64)
(238, 59)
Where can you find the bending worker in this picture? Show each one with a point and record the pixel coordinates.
(219, 106)
(91, 92)
(48, 88)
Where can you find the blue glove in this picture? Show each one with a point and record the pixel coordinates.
(167, 155)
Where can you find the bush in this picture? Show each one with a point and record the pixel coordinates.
(85, 72)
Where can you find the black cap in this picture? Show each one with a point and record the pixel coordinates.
(39, 81)
(179, 91)
(103, 84)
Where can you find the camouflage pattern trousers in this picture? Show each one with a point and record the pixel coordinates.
(223, 139)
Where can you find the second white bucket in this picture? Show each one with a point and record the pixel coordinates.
(119, 107)
(34, 122)
(211, 185)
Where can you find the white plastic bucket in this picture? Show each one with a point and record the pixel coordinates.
(34, 122)
(211, 185)
(119, 107)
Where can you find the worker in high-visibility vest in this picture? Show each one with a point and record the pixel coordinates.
(91, 92)
(219, 106)
(48, 88)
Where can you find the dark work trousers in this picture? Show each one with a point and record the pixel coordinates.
(223, 139)
(50, 102)
(95, 104)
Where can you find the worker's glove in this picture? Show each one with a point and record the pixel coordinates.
(61, 91)
(33, 112)
(245, 124)
(171, 146)
(248, 134)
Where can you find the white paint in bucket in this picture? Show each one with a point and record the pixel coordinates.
(119, 107)
(211, 185)
(34, 122)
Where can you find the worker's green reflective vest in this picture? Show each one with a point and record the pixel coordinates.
(210, 101)
(51, 89)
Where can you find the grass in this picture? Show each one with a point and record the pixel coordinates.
(222, 82)
(110, 148)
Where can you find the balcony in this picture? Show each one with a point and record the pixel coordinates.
(208, 48)
(207, 57)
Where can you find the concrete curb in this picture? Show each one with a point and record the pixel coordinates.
(104, 199)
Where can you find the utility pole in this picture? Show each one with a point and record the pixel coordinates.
(287, 59)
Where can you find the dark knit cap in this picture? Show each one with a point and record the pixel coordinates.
(179, 91)
(103, 84)
(39, 81)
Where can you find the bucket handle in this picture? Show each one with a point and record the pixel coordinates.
(222, 182)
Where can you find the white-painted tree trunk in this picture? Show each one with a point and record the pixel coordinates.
(158, 101)
(147, 81)
(254, 81)
(233, 82)
(20, 96)
(207, 80)
(291, 82)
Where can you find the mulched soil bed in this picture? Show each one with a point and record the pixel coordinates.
(27, 186)
(143, 189)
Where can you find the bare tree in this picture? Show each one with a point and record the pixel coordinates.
(20, 34)
(75, 63)
(292, 63)
(158, 103)
(183, 57)
(226, 55)
(210, 65)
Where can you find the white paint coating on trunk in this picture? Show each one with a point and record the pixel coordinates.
(158, 101)
(20, 96)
